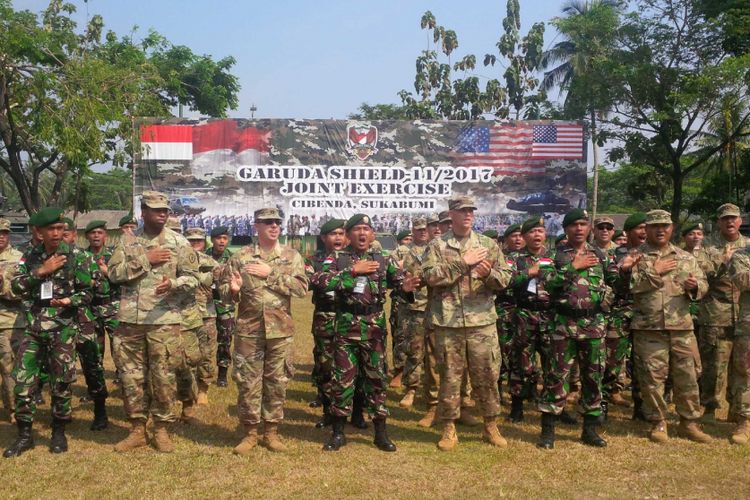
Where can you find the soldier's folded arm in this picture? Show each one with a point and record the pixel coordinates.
(24, 281)
(645, 278)
(438, 272)
(501, 273)
(739, 271)
(292, 282)
(331, 279)
(187, 270)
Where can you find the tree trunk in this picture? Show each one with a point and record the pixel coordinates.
(595, 195)
(677, 179)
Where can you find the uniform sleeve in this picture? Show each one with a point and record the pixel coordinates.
(87, 279)
(232, 266)
(437, 272)
(644, 278)
(501, 273)
(187, 270)
(291, 280)
(24, 283)
(129, 261)
(700, 276)
(6, 288)
(739, 271)
(330, 278)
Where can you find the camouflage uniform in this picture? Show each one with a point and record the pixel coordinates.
(398, 343)
(105, 307)
(192, 323)
(619, 341)
(12, 323)
(90, 351)
(225, 318)
(50, 328)
(206, 293)
(323, 324)
(263, 339)
(739, 272)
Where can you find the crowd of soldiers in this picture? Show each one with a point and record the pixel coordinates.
(578, 320)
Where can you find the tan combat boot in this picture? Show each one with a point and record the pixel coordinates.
(408, 400)
(396, 381)
(188, 413)
(271, 438)
(691, 430)
(429, 419)
(658, 432)
(449, 439)
(12, 417)
(467, 419)
(202, 394)
(161, 441)
(136, 438)
(492, 434)
(616, 399)
(741, 434)
(248, 442)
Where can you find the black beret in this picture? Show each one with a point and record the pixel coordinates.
(219, 231)
(95, 224)
(689, 226)
(574, 216)
(511, 229)
(531, 223)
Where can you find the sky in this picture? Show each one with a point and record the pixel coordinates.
(315, 59)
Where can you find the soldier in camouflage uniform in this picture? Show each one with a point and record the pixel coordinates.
(717, 312)
(225, 312)
(505, 305)
(155, 268)
(464, 271)
(12, 317)
(360, 277)
(580, 291)
(262, 278)
(444, 221)
(664, 280)
(56, 279)
(604, 230)
(128, 224)
(739, 272)
(398, 343)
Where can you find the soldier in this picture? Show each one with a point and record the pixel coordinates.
(464, 271)
(404, 238)
(620, 238)
(128, 224)
(513, 239)
(262, 278)
(69, 233)
(360, 277)
(156, 269)
(505, 305)
(56, 279)
(580, 293)
(225, 323)
(12, 317)
(604, 230)
(717, 311)
(433, 226)
(739, 271)
(444, 221)
(398, 343)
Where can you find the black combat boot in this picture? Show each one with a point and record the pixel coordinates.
(327, 417)
(567, 419)
(547, 437)
(358, 419)
(221, 380)
(338, 439)
(516, 409)
(638, 409)
(381, 436)
(58, 443)
(589, 435)
(605, 410)
(100, 415)
(24, 441)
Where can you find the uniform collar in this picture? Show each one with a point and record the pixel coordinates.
(453, 242)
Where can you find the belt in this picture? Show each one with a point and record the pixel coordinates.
(578, 313)
(360, 310)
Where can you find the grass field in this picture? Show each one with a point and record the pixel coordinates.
(204, 466)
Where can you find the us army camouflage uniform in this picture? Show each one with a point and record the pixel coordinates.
(206, 296)
(739, 272)
(323, 323)
(663, 332)
(148, 342)
(619, 341)
(399, 343)
(50, 328)
(262, 360)
(225, 319)
(461, 309)
(578, 329)
(360, 331)
(717, 314)
(192, 323)
(12, 323)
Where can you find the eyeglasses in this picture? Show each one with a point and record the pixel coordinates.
(605, 228)
(270, 222)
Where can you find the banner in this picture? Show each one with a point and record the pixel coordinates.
(218, 172)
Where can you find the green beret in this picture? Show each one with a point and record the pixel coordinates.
(128, 219)
(560, 237)
(33, 220)
(219, 231)
(512, 229)
(531, 223)
(47, 216)
(690, 226)
(491, 233)
(618, 233)
(69, 223)
(574, 216)
(332, 225)
(403, 234)
(95, 224)
(634, 220)
(357, 219)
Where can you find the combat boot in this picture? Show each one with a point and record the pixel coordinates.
(381, 436)
(709, 416)
(58, 443)
(492, 434)
(188, 413)
(589, 435)
(338, 439)
(658, 433)
(135, 439)
(467, 419)
(271, 439)
(616, 399)
(638, 409)
(408, 400)
(547, 436)
(396, 380)
(221, 380)
(358, 418)
(449, 439)
(691, 430)
(248, 442)
(24, 441)
(161, 441)
(202, 399)
(516, 409)
(101, 421)
(741, 434)
(566, 418)
(327, 418)
(429, 419)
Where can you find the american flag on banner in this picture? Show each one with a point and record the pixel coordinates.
(522, 149)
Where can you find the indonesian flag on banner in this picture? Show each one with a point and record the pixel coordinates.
(167, 142)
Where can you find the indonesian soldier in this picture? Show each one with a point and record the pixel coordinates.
(57, 279)
(739, 271)
(398, 304)
(128, 224)
(513, 239)
(360, 277)
(717, 312)
(664, 280)
(262, 279)
(464, 271)
(225, 322)
(155, 268)
(580, 292)
(505, 306)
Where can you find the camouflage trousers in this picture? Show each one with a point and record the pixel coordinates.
(10, 339)
(148, 357)
(715, 347)
(740, 404)
(105, 327)
(398, 344)
(658, 351)
(421, 363)
(618, 350)
(225, 327)
(90, 356)
(357, 361)
(187, 387)
(505, 332)
(322, 373)
(262, 370)
(475, 348)
(59, 347)
(206, 369)
(531, 338)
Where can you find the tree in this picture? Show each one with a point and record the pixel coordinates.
(379, 112)
(68, 98)
(733, 17)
